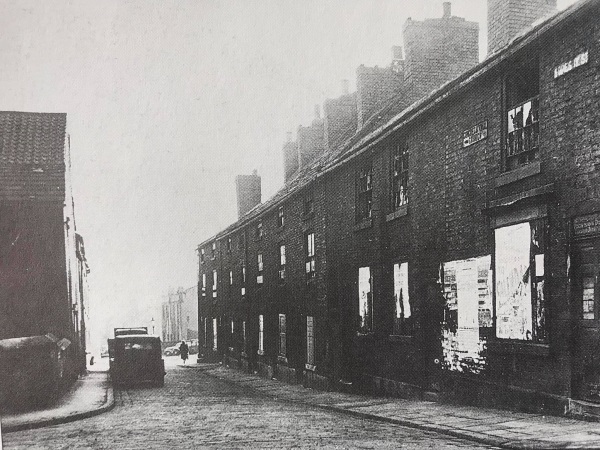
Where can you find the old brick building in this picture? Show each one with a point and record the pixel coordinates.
(448, 249)
(43, 268)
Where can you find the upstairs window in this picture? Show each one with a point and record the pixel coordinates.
(281, 262)
(308, 203)
(203, 284)
(400, 176)
(259, 277)
(243, 279)
(228, 245)
(259, 230)
(280, 217)
(214, 250)
(214, 286)
(202, 255)
(231, 278)
(364, 193)
(522, 115)
(310, 255)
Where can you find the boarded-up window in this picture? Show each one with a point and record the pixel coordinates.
(215, 334)
(310, 341)
(282, 335)
(365, 299)
(468, 314)
(403, 320)
(261, 334)
(520, 305)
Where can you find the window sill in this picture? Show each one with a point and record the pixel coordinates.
(282, 359)
(400, 212)
(520, 173)
(505, 346)
(310, 367)
(405, 339)
(363, 224)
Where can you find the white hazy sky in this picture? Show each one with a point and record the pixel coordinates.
(168, 100)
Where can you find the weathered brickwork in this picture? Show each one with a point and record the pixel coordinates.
(462, 192)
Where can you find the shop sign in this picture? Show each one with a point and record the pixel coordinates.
(566, 67)
(475, 134)
(586, 225)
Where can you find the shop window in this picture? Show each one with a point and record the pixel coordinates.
(281, 262)
(310, 256)
(280, 217)
(364, 193)
(400, 176)
(205, 343)
(215, 341)
(522, 116)
(282, 336)
(403, 321)
(365, 299)
(214, 286)
(308, 203)
(259, 277)
(310, 342)
(519, 266)
(261, 334)
(589, 304)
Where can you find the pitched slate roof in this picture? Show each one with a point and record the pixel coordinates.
(403, 109)
(32, 155)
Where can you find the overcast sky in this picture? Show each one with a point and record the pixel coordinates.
(168, 100)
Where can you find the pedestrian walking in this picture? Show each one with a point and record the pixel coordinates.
(184, 351)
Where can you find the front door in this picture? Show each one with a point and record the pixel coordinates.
(586, 309)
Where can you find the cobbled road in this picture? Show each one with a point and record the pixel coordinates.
(195, 410)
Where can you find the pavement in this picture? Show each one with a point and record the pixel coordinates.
(93, 394)
(90, 395)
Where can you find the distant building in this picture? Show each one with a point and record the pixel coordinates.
(180, 315)
(43, 268)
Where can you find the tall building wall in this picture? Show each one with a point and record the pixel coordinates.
(507, 18)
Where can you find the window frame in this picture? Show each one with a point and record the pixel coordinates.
(310, 343)
(260, 267)
(365, 307)
(364, 192)
(399, 176)
(280, 217)
(215, 283)
(310, 260)
(308, 203)
(261, 334)
(282, 343)
(282, 262)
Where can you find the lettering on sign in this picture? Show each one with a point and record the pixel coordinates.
(586, 225)
(566, 67)
(478, 133)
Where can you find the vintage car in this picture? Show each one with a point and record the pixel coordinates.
(136, 358)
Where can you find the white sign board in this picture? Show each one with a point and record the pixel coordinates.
(566, 67)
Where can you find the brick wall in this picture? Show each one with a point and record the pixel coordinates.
(438, 50)
(507, 18)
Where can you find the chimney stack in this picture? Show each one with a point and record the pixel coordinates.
(317, 112)
(447, 10)
(288, 136)
(345, 87)
(508, 18)
(248, 192)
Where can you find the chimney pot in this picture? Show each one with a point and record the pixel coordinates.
(345, 87)
(447, 9)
